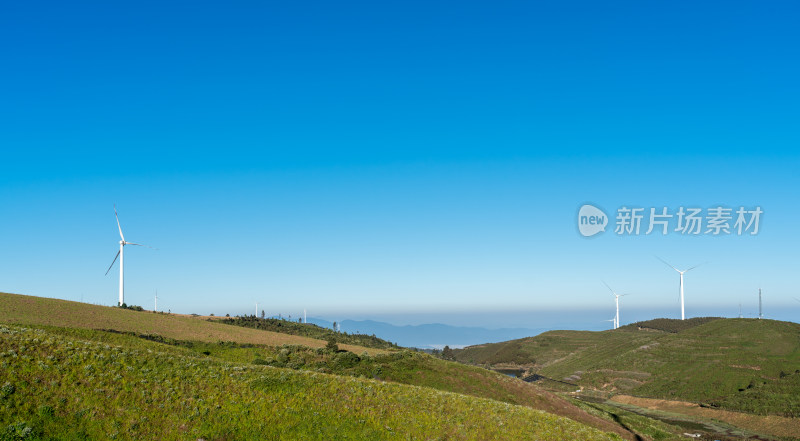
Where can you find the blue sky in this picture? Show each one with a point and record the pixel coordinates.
(364, 158)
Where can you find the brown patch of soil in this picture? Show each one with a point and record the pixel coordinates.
(769, 425)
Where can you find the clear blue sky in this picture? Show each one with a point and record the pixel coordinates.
(391, 157)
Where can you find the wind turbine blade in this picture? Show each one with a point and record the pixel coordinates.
(609, 288)
(112, 263)
(140, 245)
(796, 299)
(665, 263)
(118, 225)
(695, 266)
(623, 295)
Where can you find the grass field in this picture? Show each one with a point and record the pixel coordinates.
(306, 330)
(405, 367)
(234, 349)
(744, 365)
(29, 310)
(61, 387)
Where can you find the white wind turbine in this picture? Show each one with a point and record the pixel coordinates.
(683, 317)
(121, 256)
(616, 298)
(613, 319)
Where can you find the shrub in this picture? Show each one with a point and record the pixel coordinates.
(332, 346)
(345, 360)
(7, 390)
(18, 431)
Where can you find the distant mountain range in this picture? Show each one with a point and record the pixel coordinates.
(429, 336)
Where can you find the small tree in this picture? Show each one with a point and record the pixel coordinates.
(447, 353)
(332, 346)
(263, 314)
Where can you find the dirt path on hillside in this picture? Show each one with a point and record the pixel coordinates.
(768, 425)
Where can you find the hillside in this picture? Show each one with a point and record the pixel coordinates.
(198, 339)
(744, 365)
(306, 330)
(59, 387)
(29, 310)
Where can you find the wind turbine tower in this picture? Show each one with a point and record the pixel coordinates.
(121, 256)
(616, 299)
(760, 311)
(683, 315)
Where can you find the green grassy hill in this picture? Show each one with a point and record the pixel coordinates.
(42, 369)
(29, 310)
(59, 387)
(745, 365)
(306, 330)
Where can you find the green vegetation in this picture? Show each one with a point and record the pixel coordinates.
(640, 425)
(223, 345)
(408, 367)
(29, 310)
(131, 307)
(307, 330)
(121, 386)
(670, 325)
(743, 365)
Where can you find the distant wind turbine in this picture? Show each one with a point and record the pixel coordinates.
(121, 255)
(614, 319)
(616, 298)
(683, 316)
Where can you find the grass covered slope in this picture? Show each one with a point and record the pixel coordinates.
(29, 310)
(737, 364)
(670, 325)
(407, 367)
(306, 330)
(200, 339)
(59, 387)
